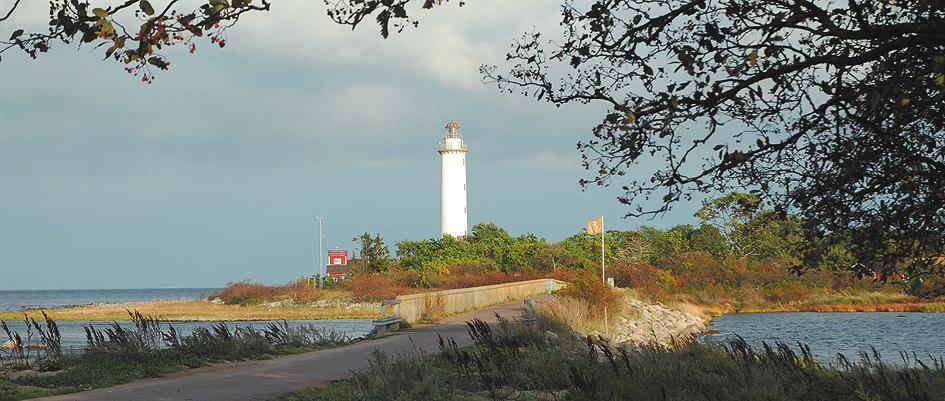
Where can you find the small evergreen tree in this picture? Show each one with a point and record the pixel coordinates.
(374, 254)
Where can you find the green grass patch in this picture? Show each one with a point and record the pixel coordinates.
(937, 307)
(338, 391)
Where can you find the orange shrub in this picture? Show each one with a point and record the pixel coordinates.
(303, 293)
(474, 275)
(651, 282)
(699, 270)
(249, 293)
(790, 291)
(565, 274)
(761, 274)
(598, 295)
(375, 287)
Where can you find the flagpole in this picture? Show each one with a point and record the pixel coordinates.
(603, 275)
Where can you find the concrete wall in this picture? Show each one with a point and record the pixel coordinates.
(413, 307)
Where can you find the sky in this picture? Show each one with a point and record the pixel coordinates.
(215, 172)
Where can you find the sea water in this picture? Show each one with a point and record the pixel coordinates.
(12, 300)
(851, 334)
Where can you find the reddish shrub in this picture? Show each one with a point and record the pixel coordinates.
(565, 274)
(790, 291)
(650, 281)
(303, 292)
(375, 287)
(596, 293)
(699, 270)
(249, 293)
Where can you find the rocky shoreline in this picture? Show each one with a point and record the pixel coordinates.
(656, 323)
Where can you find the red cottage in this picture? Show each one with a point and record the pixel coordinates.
(337, 263)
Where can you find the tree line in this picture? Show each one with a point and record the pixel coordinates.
(735, 231)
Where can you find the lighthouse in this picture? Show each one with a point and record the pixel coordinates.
(453, 208)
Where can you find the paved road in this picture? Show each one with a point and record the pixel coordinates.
(267, 379)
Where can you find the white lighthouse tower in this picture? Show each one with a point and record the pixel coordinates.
(453, 212)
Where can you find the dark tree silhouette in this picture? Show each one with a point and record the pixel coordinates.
(389, 14)
(132, 32)
(829, 110)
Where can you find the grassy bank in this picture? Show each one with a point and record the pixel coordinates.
(201, 311)
(513, 362)
(150, 349)
(827, 301)
(748, 290)
(211, 312)
(357, 297)
(924, 307)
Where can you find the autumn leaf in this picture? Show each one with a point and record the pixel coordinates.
(157, 62)
(146, 7)
(118, 44)
(940, 80)
(100, 12)
(753, 58)
(905, 101)
(105, 28)
(631, 117)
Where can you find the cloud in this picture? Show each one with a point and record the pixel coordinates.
(547, 161)
(362, 109)
(448, 47)
(381, 163)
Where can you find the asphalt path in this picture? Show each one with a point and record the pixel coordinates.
(267, 379)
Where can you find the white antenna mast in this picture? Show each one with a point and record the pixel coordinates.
(321, 256)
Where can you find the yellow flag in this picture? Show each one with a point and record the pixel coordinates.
(594, 226)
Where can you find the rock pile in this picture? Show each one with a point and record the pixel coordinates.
(656, 323)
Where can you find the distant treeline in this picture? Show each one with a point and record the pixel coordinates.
(740, 249)
(736, 226)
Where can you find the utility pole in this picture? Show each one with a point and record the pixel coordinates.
(603, 275)
(325, 260)
(321, 256)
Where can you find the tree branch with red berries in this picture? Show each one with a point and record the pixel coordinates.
(390, 15)
(132, 32)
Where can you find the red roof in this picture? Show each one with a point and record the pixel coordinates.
(452, 125)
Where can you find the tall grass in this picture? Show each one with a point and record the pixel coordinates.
(144, 336)
(599, 296)
(40, 348)
(509, 361)
(576, 313)
(149, 347)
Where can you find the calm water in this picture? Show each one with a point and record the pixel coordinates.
(847, 333)
(32, 299)
(73, 335)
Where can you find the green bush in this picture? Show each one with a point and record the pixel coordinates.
(7, 389)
